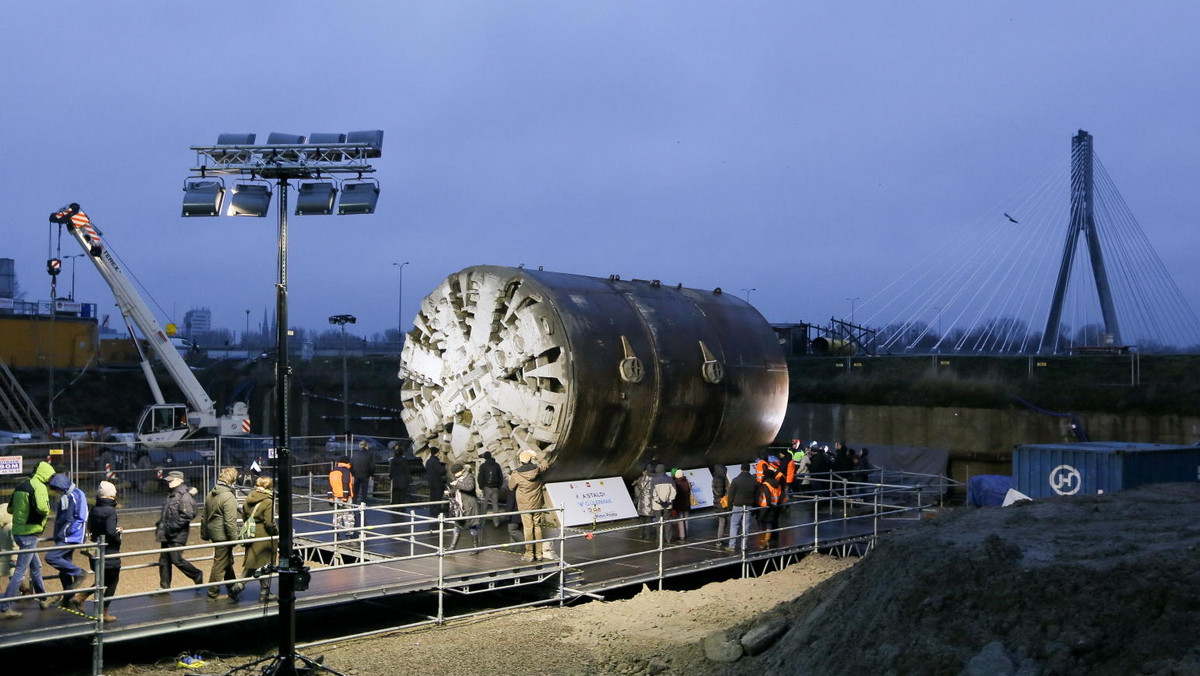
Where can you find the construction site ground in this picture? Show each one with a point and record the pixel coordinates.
(1076, 585)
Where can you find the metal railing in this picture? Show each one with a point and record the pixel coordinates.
(418, 535)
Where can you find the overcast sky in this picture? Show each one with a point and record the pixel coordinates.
(807, 150)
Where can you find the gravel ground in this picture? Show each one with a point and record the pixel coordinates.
(1083, 585)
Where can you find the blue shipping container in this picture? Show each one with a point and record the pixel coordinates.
(1094, 467)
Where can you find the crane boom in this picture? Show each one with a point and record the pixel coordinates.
(201, 411)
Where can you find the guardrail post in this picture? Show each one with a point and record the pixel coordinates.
(441, 586)
(661, 544)
(98, 635)
(562, 551)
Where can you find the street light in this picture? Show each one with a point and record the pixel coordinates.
(73, 257)
(748, 293)
(400, 306)
(282, 159)
(853, 301)
(342, 321)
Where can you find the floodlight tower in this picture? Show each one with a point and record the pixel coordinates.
(315, 164)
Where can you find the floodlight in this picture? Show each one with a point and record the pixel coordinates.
(232, 156)
(235, 139)
(249, 199)
(316, 198)
(279, 139)
(358, 198)
(373, 139)
(202, 197)
(320, 138)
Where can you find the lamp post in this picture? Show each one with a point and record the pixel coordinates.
(748, 293)
(853, 301)
(284, 158)
(400, 305)
(342, 321)
(73, 257)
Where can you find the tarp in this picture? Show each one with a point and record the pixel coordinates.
(988, 490)
(931, 462)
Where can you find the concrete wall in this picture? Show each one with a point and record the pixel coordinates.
(980, 441)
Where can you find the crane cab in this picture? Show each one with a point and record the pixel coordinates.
(163, 424)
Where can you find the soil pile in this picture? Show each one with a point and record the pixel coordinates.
(1084, 585)
(1079, 585)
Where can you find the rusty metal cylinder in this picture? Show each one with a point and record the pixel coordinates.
(596, 375)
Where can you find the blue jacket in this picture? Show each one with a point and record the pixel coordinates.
(71, 521)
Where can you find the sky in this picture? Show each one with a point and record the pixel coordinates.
(807, 151)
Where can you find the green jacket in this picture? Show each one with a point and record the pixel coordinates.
(219, 523)
(30, 502)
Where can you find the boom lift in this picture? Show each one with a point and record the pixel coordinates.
(161, 423)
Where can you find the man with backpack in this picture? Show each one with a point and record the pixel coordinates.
(490, 477)
(30, 507)
(70, 526)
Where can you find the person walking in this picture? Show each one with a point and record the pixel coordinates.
(526, 481)
(219, 526)
(102, 523)
(643, 500)
(435, 475)
(742, 493)
(172, 530)
(30, 508)
(464, 504)
(70, 528)
(341, 486)
(663, 496)
(681, 506)
(259, 510)
(362, 468)
(400, 477)
(490, 477)
(720, 488)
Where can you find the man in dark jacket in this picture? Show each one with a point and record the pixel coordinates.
(219, 525)
(362, 467)
(489, 477)
(399, 474)
(435, 474)
(172, 530)
(30, 507)
(102, 523)
(70, 524)
(742, 492)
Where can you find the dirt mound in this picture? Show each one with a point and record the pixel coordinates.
(1087, 585)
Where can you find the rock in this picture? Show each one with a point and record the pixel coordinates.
(656, 666)
(763, 636)
(992, 660)
(720, 648)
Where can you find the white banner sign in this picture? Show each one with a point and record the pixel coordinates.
(701, 482)
(10, 464)
(6, 303)
(594, 500)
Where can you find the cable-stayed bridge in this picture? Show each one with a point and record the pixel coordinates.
(1065, 267)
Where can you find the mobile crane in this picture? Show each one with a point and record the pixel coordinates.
(161, 424)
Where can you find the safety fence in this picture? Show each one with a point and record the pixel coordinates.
(832, 514)
(139, 470)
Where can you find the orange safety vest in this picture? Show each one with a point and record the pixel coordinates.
(341, 482)
(771, 487)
